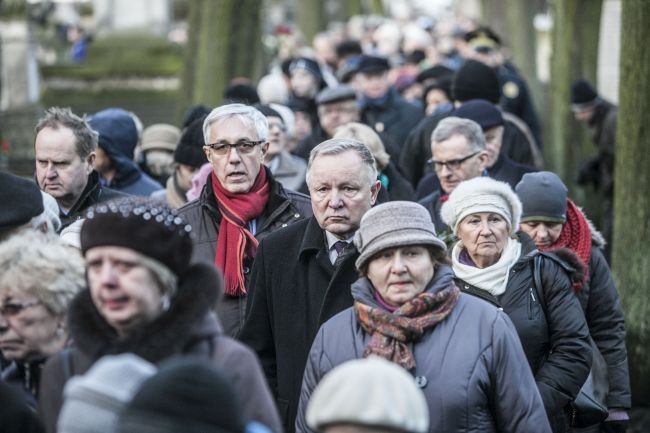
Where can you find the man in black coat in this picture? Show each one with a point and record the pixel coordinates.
(65, 149)
(302, 274)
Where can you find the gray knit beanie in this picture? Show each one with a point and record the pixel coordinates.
(482, 194)
(94, 401)
(394, 224)
(543, 197)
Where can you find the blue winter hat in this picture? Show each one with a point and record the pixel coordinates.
(118, 133)
(486, 114)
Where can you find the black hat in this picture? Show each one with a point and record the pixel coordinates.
(193, 113)
(185, 395)
(143, 225)
(190, 147)
(309, 65)
(583, 95)
(267, 111)
(373, 64)
(335, 94)
(241, 93)
(476, 80)
(21, 201)
(483, 39)
(543, 197)
(347, 70)
(487, 115)
(434, 73)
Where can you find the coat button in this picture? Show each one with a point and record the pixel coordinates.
(421, 381)
(284, 225)
(246, 269)
(296, 215)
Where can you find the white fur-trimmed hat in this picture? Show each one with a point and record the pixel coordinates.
(482, 194)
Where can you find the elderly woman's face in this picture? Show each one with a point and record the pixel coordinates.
(124, 291)
(484, 235)
(400, 274)
(28, 330)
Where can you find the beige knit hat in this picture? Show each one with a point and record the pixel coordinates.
(370, 392)
(394, 224)
(160, 136)
(482, 194)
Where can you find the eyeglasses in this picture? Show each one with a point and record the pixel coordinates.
(243, 147)
(10, 309)
(452, 164)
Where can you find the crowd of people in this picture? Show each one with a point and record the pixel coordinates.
(364, 241)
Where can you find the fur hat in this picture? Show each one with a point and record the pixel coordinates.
(482, 194)
(186, 395)
(476, 80)
(394, 224)
(369, 392)
(143, 225)
(543, 197)
(160, 136)
(94, 401)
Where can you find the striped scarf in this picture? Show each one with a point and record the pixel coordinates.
(235, 242)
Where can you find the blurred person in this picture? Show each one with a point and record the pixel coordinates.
(272, 89)
(240, 204)
(65, 152)
(240, 91)
(325, 54)
(188, 158)
(555, 223)
(305, 81)
(599, 116)
(40, 276)
(458, 153)
(406, 308)
(352, 399)
(157, 151)
(436, 93)
(393, 184)
(304, 125)
(493, 262)
(15, 415)
(118, 137)
(286, 168)
(302, 274)
(381, 106)
(474, 80)
(145, 297)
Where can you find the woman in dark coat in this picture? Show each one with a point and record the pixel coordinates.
(463, 353)
(556, 224)
(495, 264)
(146, 298)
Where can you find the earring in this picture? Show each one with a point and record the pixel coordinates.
(165, 303)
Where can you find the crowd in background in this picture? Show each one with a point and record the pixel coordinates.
(363, 240)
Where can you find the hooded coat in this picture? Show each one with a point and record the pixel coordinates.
(474, 355)
(188, 328)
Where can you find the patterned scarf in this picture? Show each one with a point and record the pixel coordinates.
(390, 333)
(575, 235)
(235, 241)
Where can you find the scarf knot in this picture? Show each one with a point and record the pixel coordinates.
(236, 242)
(390, 333)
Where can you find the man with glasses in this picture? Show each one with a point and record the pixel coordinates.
(458, 154)
(240, 204)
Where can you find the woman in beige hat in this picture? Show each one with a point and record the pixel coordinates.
(462, 352)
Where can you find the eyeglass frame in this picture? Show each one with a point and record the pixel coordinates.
(225, 147)
(452, 164)
(20, 306)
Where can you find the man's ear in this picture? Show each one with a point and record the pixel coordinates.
(483, 159)
(374, 191)
(265, 148)
(90, 161)
(208, 154)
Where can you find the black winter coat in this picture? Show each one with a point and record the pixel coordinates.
(283, 208)
(294, 290)
(553, 332)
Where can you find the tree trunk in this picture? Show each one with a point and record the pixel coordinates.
(310, 18)
(576, 24)
(223, 43)
(631, 262)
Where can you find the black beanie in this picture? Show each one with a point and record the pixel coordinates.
(21, 201)
(241, 93)
(267, 111)
(143, 225)
(190, 147)
(583, 95)
(487, 115)
(543, 197)
(185, 395)
(476, 80)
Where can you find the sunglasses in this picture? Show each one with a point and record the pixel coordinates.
(10, 309)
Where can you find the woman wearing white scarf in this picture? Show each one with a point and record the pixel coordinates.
(492, 261)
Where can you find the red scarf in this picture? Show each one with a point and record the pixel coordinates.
(575, 235)
(235, 242)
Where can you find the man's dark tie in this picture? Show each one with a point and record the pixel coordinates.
(340, 246)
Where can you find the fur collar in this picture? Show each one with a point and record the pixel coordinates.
(169, 334)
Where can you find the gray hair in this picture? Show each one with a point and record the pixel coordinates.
(336, 146)
(450, 126)
(165, 277)
(85, 137)
(44, 266)
(248, 115)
